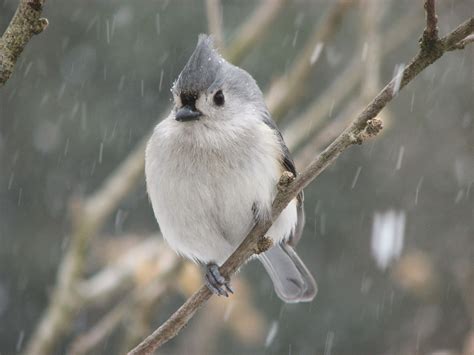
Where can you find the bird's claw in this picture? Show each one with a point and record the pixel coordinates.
(217, 283)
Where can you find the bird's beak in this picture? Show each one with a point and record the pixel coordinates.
(187, 113)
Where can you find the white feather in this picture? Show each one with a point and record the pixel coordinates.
(203, 177)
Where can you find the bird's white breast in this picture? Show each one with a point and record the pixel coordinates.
(203, 180)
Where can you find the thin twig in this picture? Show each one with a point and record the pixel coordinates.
(431, 31)
(26, 23)
(362, 127)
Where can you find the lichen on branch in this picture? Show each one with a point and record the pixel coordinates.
(26, 23)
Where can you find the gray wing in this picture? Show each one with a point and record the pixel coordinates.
(289, 165)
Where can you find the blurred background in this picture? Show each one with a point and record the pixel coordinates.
(389, 233)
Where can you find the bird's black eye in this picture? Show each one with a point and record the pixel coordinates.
(219, 98)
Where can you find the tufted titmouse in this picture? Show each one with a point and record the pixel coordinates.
(212, 167)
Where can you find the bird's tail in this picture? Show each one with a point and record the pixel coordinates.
(291, 279)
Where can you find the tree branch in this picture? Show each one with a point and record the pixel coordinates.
(26, 22)
(460, 37)
(431, 31)
(363, 126)
(461, 44)
(88, 217)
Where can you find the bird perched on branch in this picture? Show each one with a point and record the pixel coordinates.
(212, 167)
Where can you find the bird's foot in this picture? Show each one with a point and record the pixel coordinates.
(216, 282)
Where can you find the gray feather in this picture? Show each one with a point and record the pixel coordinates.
(298, 232)
(291, 279)
(201, 69)
(207, 70)
(289, 165)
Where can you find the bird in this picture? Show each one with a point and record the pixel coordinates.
(212, 168)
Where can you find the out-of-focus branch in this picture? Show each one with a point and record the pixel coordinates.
(144, 300)
(150, 253)
(319, 111)
(88, 216)
(214, 21)
(372, 57)
(326, 135)
(97, 207)
(288, 88)
(161, 272)
(362, 127)
(253, 29)
(95, 335)
(464, 276)
(145, 268)
(26, 23)
(154, 282)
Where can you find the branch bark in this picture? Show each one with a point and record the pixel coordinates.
(26, 23)
(431, 30)
(365, 125)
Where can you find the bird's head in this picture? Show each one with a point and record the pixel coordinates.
(210, 88)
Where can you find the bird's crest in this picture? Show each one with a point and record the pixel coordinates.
(201, 69)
